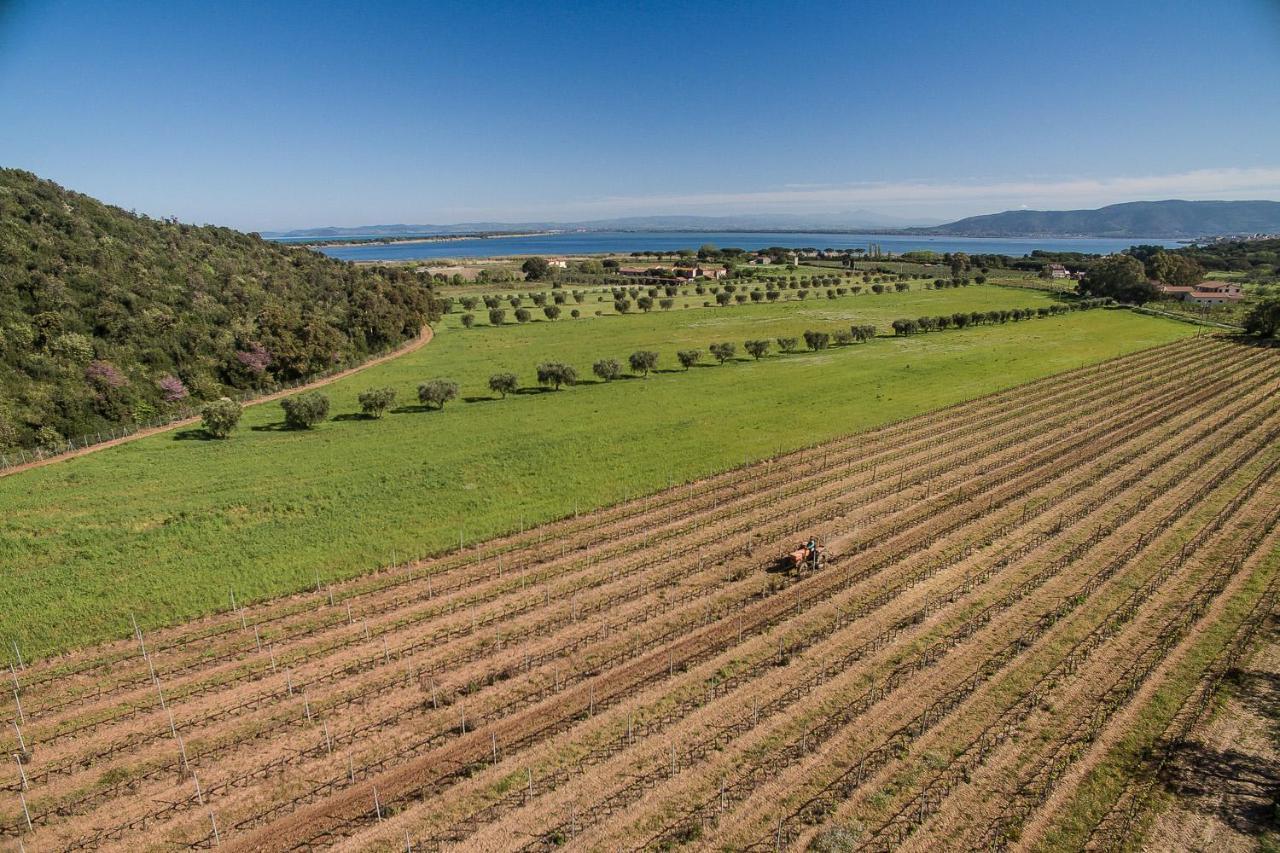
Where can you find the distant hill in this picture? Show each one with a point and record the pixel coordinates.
(108, 318)
(1177, 219)
(845, 221)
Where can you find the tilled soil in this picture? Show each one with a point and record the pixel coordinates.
(639, 676)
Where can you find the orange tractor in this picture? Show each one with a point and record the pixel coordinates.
(810, 556)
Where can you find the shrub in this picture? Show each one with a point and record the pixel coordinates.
(788, 344)
(552, 312)
(841, 338)
(575, 313)
(863, 333)
(905, 327)
(468, 320)
(643, 361)
(756, 348)
(305, 410)
(469, 303)
(504, 383)
(665, 304)
(689, 357)
(724, 298)
(221, 416)
(375, 401)
(523, 315)
(723, 352)
(622, 306)
(877, 288)
(437, 392)
(645, 303)
(607, 369)
(556, 373)
(515, 301)
(497, 316)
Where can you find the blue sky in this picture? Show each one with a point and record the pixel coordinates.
(272, 115)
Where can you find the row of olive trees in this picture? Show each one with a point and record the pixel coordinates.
(304, 411)
(963, 319)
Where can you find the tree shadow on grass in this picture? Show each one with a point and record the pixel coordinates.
(411, 409)
(533, 389)
(278, 426)
(197, 434)
(354, 416)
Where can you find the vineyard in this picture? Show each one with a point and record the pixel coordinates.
(1009, 582)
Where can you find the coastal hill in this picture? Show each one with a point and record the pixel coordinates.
(851, 220)
(110, 318)
(1181, 219)
(1136, 219)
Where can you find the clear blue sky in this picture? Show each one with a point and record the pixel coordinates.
(270, 115)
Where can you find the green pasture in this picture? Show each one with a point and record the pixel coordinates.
(165, 527)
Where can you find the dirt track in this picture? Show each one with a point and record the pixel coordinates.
(635, 677)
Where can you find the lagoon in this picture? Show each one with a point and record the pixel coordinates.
(594, 242)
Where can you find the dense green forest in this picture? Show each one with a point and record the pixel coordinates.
(109, 318)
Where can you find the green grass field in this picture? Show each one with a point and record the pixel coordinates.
(164, 527)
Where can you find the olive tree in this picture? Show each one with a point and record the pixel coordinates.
(305, 410)
(607, 369)
(643, 361)
(863, 333)
(497, 316)
(723, 351)
(523, 315)
(504, 384)
(689, 357)
(756, 349)
(788, 344)
(556, 373)
(375, 401)
(552, 312)
(817, 340)
(437, 392)
(221, 416)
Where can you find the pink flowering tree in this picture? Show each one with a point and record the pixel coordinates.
(255, 359)
(171, 388)
(105, 374)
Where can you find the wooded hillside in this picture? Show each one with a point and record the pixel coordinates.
(108, 317)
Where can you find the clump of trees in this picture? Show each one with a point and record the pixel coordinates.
(555, 374)
(221, 416)
(305, 410)
(1120, 277)
(376, 401)
(504, 384)
(437, 392)
(1263, 318)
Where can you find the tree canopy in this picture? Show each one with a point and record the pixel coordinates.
(109, 317)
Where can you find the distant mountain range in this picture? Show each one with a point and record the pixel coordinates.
(1177, 219)
(852, 220)
(1136, 219)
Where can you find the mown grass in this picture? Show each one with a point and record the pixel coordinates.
(165, 527)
